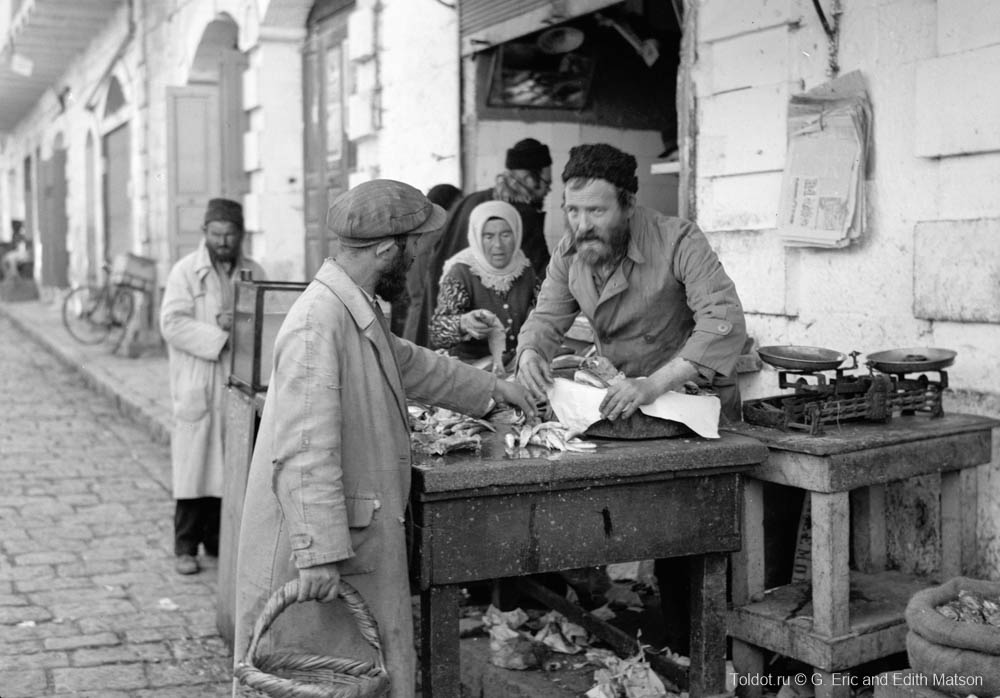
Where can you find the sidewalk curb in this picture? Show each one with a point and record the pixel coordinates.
(157, 427)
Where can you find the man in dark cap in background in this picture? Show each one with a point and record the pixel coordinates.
(445, 196)
(524, 183)
(195, 319)
(662, 308)
(330, 475)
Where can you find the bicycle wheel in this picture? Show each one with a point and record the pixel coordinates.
(122, 306)
(85, 314)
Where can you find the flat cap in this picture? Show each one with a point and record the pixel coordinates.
(381, 208)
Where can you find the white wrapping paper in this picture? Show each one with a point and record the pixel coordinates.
(578, 406)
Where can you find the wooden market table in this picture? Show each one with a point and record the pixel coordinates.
(482, 517)
(846, 617)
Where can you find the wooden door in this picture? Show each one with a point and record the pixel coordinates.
(53, 221)
(29, 227)
(116, 148)
(90, 184)
(193, 162)
(328, 157)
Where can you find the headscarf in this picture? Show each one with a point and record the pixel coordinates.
(474, 256)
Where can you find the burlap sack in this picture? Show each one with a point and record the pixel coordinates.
(939, 646)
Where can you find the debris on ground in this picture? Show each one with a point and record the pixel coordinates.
(632, 677)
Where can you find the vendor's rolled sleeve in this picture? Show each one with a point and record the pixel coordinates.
(719, 326)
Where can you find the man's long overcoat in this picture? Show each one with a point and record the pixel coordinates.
(330, 474)
(199, 368)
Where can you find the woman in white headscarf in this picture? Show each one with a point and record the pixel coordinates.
(485, 287)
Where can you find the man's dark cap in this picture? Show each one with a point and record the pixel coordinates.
(379, 209)
(224, 210)
(602, 161)
(528, 154)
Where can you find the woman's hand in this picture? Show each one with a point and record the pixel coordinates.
(319, 583)
(477, 323)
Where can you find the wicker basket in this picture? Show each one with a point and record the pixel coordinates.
(299, 675)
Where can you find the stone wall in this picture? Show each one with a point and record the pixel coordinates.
(924, 273)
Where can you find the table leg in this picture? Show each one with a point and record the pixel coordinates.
(831, 580)
(951, 523)
(829, 685)
(748, 562)
(748, 582)
(868, 528)
(439, 641)
(707, 675)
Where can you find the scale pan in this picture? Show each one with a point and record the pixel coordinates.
(799, 358)
(911, 359)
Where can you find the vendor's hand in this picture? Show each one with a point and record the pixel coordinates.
(477, 323)
(225, 320)
(319, 583)
(514, 394)
(533, 373)
(625, 397)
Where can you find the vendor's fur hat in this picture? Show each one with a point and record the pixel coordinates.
(602, 161)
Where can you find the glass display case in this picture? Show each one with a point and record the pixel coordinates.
(259, 309)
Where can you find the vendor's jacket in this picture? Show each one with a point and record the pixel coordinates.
(669, 297)
(199, 368)
(330, 475)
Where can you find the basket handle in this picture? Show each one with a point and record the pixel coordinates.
(287, 595)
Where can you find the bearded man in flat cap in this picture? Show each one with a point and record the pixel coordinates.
(330, 476)
(524, 183)
(195, 319)
(662, 308)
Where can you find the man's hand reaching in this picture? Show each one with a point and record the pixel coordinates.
(534, 373)
(514, 394)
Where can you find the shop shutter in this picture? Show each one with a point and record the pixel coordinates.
(485, 23)
(482, 14)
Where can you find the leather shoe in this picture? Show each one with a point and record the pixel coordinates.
(186, 564)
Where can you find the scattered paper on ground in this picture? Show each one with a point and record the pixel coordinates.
(628, 678)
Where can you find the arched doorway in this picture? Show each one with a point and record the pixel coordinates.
(206, 124)
(53, 222)
(116, 154)
(90, 186)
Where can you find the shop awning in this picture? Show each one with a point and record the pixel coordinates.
(42, 40)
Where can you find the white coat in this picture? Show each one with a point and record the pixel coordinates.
(199, 369)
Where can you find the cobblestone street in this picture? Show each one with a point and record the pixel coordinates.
(89, 602)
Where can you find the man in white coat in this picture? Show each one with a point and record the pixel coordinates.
(195, 318)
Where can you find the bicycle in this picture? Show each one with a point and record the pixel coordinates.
(93, 313)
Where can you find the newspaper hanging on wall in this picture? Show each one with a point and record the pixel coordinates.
(823, 188)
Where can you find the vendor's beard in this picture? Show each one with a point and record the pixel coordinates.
(392, 283)
(610, 251)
